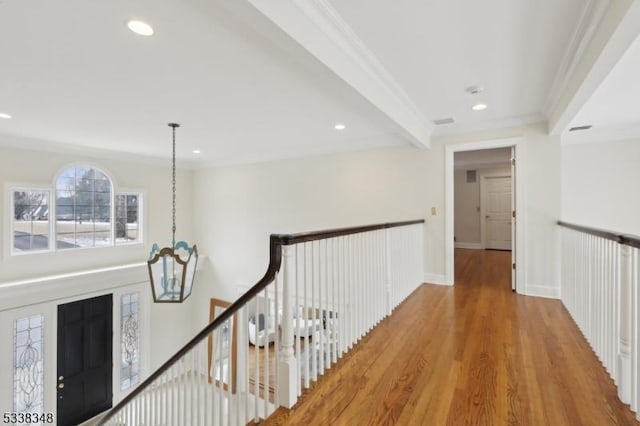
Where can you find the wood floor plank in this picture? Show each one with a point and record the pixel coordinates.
(472, 354)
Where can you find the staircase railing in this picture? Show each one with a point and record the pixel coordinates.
(600, 289)
(321, 293)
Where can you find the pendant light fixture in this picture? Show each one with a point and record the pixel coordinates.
(172, 269)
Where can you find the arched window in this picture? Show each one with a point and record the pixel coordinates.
(89, 212)
(83, 208)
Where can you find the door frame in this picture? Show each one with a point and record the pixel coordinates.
(519, 229)
(483, 223)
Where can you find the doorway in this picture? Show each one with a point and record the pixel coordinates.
(506, 230)
(84, 379)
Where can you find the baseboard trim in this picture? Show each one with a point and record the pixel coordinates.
(542, 291)
(438, 279)
(473, 246)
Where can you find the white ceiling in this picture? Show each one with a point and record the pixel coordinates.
(437, 48)
(71, 73)
(74, 77)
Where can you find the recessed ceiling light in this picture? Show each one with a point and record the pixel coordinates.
(479, 107)
(140, 27)
(5, 116)
(196, 151)
(339, 126)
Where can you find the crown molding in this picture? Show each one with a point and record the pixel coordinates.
(23, 143)
(590, 18)
(331, 23)
(612, 34)
(504, 123)
(320, 29)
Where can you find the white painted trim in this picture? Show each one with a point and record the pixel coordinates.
(592, 13)
(59, 287)
(521, 202)
(472, 246)
(541, 291)
(319, 28)
(35, 297)
(501, 123)
(437, 279)
(617, 29)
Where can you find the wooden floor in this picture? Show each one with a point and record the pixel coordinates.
(472, 354)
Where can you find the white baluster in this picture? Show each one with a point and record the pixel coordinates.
(305, 313)
(298, 313)
(208, 386)
(625, 318)
(288, 363)
(265, 371)
(278, 341)
(256, 375)
(245, 345)
(322, 281)
(635, 330)
(336, 308)
(342, 299)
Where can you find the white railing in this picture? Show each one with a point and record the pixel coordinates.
(600, 289)
(322, 293)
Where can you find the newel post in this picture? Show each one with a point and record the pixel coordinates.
(624, 312)
(288, 376)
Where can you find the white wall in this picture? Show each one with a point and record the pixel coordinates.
(601, 185)
(467, 203)
(241, 206)
(466, 208)
(40, 168)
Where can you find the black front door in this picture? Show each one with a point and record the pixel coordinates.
(84, 359)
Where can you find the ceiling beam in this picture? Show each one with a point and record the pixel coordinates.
(617, 27)
(316, 26)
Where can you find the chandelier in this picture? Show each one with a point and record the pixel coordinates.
(172, 269)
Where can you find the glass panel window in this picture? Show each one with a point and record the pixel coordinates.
(83, 208)
(30, 220)
(28, 370)
(129, 328)
(127, 221)
(86, 214)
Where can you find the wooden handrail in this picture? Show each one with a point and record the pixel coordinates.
(626, 239)
(303, 237)
(276, 241)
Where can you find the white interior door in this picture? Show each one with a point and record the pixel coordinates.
(497, 210)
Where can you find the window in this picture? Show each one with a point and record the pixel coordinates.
(82, 211)
(28, 371)
(130, 348)
(30, 220)
(83, 208)
(127, 218)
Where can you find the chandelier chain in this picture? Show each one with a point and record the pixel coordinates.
(173, 229)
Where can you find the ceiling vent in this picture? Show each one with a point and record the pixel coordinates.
(473, 90)
(573, 129)
(442, 121)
